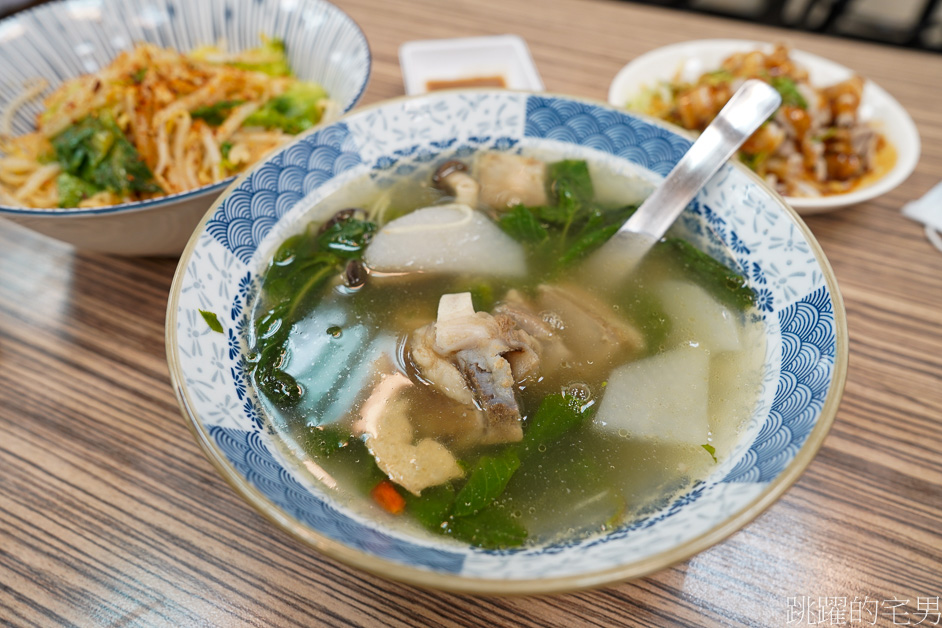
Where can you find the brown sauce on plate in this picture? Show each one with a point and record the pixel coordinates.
(473, 81)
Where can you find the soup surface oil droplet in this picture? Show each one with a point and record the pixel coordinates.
(335, 330)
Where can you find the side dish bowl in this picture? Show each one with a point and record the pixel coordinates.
(688, 60)
(65, 39)
(802, 376)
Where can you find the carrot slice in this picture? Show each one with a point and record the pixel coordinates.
(386, 495)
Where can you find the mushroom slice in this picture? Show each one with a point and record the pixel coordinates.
(508, 180)
(385, 421)
(452, 178)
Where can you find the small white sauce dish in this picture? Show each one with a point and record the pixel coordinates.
(505, 56)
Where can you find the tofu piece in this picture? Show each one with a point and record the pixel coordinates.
(663, 397)
(698, 317)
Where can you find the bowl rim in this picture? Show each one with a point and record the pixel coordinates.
(457, 583)
(906, 160)
(209, 188)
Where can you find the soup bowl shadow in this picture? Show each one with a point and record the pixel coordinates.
(735, 218)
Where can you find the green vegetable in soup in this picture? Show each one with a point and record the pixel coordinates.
(212, 320)
(486, 482)
(728, 286)
(301, 268)
(465, 515)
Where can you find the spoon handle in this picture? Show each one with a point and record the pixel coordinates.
(749, 107)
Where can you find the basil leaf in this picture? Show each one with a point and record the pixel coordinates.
(431, 509)
(523, 226)
(710, 449)
(212, 320)
(486, 482)
(347, 238)
(557, 415)
(570, 182)
(728, 286)
(492, 529)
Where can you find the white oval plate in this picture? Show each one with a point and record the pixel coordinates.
(688, 60)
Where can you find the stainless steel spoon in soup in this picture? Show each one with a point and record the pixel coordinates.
(749, 107)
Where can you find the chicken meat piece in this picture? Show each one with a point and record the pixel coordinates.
(479, 347)
(507, 180)
(542, 326)
(599, 331)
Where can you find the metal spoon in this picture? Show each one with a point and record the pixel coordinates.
(750, 106)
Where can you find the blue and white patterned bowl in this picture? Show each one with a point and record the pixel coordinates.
(803, 374)
(65, 39)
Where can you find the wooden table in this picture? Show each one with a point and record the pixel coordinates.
(110, 514)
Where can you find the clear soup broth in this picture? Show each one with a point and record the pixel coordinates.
(446, 358)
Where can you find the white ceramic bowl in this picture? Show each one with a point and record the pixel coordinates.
(803, 373)
(690, 59)
(61, 40)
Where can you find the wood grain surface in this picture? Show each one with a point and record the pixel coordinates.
(111, 516)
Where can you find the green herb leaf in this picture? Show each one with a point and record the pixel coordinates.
(216, 114)
(213, 321)
(710, 449)
(347, 238)
(557, 415)
(788, 89)
(138, 75)
(432, 508)
(96, 151)
(728, 286)
(271, 58)
(570, 182)
(486, 482)
(586, 243)
(73, 190)
(294, 111)
(523, 226)
(717, 77)
(492, 528)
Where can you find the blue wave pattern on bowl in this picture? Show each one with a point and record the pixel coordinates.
(606, 130)
(260, 201)
(252, 459)
(62, 40)
(799, 367)
(808, 351)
